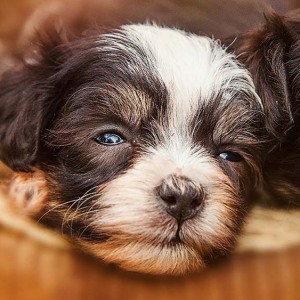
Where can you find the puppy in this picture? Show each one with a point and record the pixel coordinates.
(143, 144)
(272, 54)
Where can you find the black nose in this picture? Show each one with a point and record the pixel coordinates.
(181, 197)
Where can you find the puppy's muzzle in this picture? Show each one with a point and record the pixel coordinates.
(181, 197)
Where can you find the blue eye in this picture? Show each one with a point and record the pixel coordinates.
(230, 156)
(109, 139)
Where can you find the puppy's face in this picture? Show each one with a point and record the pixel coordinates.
(146, 139)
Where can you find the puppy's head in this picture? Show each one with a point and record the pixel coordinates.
(272, 54)
(147, 139)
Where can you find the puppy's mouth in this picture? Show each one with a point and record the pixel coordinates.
(173, 256)
(176, 238)
(175, 247)
(172, 237)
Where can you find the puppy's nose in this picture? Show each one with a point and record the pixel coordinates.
(181, 197)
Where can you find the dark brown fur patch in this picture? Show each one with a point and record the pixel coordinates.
(272, 54)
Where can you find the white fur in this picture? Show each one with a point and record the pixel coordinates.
(193, 68)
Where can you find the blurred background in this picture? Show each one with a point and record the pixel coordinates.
(19, 18)
(36, 265)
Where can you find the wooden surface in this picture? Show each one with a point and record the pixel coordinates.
(32, 270)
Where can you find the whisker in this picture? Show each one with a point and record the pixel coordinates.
(88, 195)
(53, 208)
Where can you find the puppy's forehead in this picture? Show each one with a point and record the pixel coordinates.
(187, 64)
(194, 70)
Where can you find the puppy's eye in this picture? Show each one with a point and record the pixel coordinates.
(230, 156)
(109, 139)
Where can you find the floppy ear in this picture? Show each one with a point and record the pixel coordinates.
(24, 111)
(267, 53)
(20, 119)
(272, 54)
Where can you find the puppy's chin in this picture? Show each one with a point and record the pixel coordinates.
(173, 258)
(176, 259)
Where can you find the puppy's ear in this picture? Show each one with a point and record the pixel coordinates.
(267, 54)
(272, 54)
(24, 110)
(20, 120)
